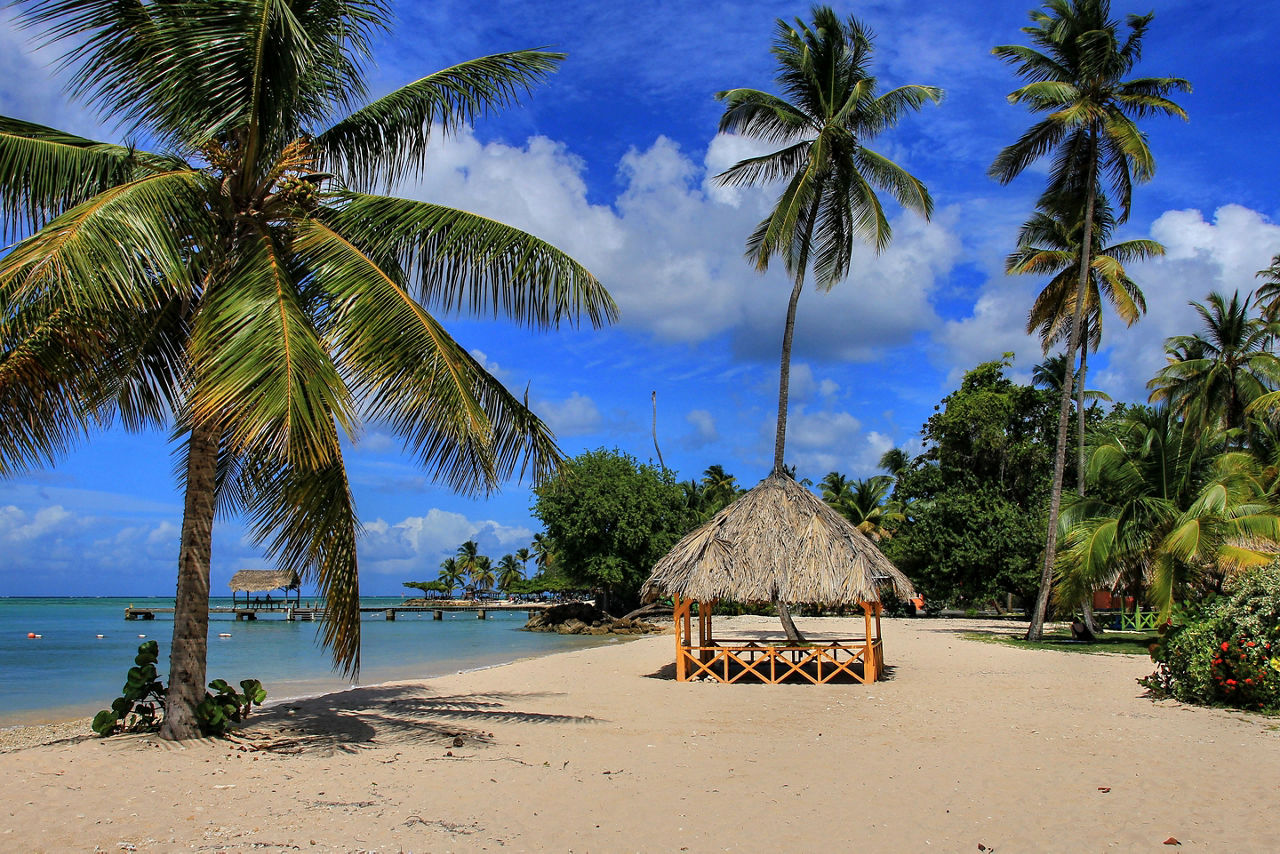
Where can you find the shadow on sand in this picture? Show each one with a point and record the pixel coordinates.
(390, 715)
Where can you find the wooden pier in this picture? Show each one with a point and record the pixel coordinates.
(388, 612)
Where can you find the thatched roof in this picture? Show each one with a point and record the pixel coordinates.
(777, 536)
(261, 580)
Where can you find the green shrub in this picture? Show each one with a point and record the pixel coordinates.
(1226, 651)
(142, 698)
(141, 705)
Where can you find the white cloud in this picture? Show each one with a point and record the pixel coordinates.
(704, 430)
(669, 248)
(1200, 256)
(573, 416)
(419, 543)
(17, 526)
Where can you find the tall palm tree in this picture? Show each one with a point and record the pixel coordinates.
(451, 574)
(829, 109)
(1215, 375)
(248, 291)
(1172, 507)
(509, 572)
(1076, 67)
(1049, 245)
(523, 555)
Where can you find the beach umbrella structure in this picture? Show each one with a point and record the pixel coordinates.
(250, 581)
(777, 543)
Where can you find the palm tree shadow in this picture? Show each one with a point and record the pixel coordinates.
(391, 715)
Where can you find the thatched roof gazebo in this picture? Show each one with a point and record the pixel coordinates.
(777, 543)
(249, 581)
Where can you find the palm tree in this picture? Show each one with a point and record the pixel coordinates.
(830, 108)
(895, 461)
(718, 489)
(1173, 508)
(544, 552)
(481, 575)
(1049, 245)
(1268, 296)
(509, 572)
(523, 555)
(835, 488)
(1214, 376)
(1076, 69)
(451, 574)
(864, 502)
(243, 290)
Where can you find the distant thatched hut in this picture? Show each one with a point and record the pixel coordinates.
(777, 543)
(250, 581)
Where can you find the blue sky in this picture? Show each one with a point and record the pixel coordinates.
(612, 161)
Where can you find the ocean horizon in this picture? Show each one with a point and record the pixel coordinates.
(71, 672)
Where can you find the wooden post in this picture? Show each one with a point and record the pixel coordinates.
(682, 666)
(480, 614)
(869, 669)
(391, 615)
(437, 615)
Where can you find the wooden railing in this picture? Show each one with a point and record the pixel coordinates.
(733, 661)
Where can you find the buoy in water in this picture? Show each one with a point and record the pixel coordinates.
(99, 637)
(224, 634)
(32, 635)
(142, 636)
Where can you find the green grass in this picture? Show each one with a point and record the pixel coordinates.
(1124, 643)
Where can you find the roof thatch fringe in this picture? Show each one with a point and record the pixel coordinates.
(261, 580)
(778, 536)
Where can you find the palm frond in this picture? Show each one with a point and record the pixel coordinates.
(460, 261)
(388, 139)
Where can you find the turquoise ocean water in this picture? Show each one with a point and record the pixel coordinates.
(70, 672)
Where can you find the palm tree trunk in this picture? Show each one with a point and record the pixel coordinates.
(1087, 606)
(1036, 630)
(191, 606)
(784, 392)
(784, 376)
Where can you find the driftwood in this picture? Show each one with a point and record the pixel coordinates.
(653, 609)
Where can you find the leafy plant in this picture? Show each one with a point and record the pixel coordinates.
(217, 712)
(139, 707)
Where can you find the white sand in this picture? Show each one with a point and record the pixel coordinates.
(967, 744)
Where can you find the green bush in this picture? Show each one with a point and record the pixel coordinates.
(141, 706)
(1226, 651)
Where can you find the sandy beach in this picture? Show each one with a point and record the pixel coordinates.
(968, 744)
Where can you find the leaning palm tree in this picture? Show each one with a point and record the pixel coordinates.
(829, 109)
(1215, 375)
(246, 289)
(1076, 68)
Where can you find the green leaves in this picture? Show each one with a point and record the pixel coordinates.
(461, 262)
(388, 140)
